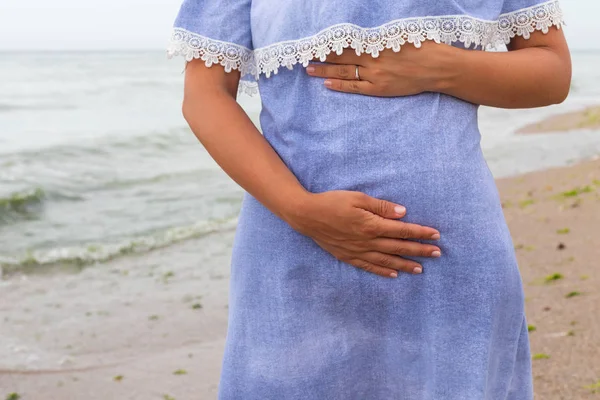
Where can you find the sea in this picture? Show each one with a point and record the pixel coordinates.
(97, 163)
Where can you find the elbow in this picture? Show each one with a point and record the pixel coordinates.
(563, 84)
(562, 92)
(555, 94)
(187, 110)
(558, 76)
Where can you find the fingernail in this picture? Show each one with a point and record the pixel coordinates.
(435, 236)
(327, 83)
(400, 210)
(417, 270)
(394, 275)
(310, 70)
(436, 254)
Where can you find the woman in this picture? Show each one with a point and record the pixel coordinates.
(371, 259)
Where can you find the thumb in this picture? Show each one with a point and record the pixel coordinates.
(383, 208)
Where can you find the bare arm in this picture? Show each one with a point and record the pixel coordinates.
(230, 137)
(354, 227)
(535, 72)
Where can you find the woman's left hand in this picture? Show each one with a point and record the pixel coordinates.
(410, 71)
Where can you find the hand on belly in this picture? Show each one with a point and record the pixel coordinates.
(389, 74)
(365, 232)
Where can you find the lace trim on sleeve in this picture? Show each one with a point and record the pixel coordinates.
(526, 21)
(231, 56)
(267, 60)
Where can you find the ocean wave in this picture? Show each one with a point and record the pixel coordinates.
(36, 107)
(174, 137)
(96, 253)
(21, 204)
(149, 180)
(154, 83)
(24, 204)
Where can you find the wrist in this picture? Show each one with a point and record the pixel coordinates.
(445, 69)
(294, 206)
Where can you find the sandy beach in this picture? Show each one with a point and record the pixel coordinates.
(153, 329)
(553, 216)
(588, 118)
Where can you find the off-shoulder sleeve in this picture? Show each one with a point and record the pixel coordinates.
(523, 17)
(217, 32)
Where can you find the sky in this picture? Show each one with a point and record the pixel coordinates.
(145, 24)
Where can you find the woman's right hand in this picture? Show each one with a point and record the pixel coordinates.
(364, 231)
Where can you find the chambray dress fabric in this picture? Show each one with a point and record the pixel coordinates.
(304, 325)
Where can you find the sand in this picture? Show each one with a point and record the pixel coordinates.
(148, 327)
(145, 328)
(554, 217)
(586, 119)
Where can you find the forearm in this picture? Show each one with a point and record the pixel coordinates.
(233, 141)
(524, 78)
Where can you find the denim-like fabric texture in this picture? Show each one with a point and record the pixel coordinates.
(303, 325)
(227, 21)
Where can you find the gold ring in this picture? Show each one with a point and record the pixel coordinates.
(356, 74)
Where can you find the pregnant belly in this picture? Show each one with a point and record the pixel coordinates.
(447, 188)
(328, 137)
(419, 151)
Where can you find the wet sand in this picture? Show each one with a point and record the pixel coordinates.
(148, 327)
(145, 328)
(588, 118)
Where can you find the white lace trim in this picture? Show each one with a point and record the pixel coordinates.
(249, 88)
(443, 29)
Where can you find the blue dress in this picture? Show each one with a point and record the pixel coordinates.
(304, 325)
